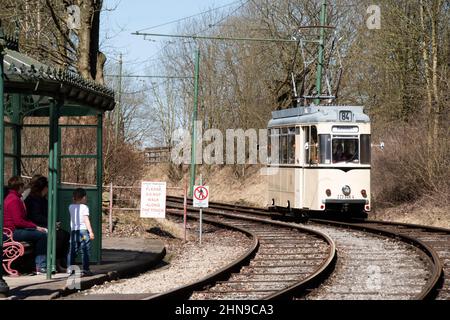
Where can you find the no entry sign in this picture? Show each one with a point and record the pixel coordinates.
(201, 196)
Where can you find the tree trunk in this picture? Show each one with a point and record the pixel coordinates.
(427, 78)
(435, 52)
(96, 66)
(99, 77)
(84, 39)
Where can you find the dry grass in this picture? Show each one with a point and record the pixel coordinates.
(223, 184)
(426, 211)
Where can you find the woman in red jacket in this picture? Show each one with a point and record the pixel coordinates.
(15, 219)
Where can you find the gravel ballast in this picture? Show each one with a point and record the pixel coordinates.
(189, 262)
(371, 267)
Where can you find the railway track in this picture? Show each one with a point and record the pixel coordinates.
(437, 239)
(285, 261)
(423, 257)
(375, 265)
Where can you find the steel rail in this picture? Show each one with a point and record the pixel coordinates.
(430, 289)
(434, 282)
(185, 291)
(297, 288)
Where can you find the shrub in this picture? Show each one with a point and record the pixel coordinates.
(409, 168)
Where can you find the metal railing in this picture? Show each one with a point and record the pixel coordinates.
(126, 198)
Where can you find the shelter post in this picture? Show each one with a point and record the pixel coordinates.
(4, 289)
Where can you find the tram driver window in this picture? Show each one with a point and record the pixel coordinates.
(345, 150)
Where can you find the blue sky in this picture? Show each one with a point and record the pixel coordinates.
(132, 15)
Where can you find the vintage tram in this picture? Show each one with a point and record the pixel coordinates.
(319, 160)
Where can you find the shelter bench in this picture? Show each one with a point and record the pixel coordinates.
(12, 250)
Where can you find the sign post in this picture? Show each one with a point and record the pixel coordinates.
(153, 199)
(200, 200)
(185, 209)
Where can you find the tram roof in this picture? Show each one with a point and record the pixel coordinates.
(25, 75)
(316, 114)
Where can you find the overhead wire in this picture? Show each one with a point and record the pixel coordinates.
(189, 17)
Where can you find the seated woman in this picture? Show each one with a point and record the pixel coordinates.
(37, 208)
(15, 219)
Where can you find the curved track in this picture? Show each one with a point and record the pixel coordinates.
(376, 265)
(432, 245)
(434, 238)
(285, 262)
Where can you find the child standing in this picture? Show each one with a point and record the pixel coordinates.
(81, 234)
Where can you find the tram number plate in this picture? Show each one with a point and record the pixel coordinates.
(345, 116)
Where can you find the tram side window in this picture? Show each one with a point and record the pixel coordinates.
(325, 148)
(306, 135)
(287, 145)
(313, 146)
(284, 146)
(274, 146)
(284, 149)
(291, 146)
(365, 148)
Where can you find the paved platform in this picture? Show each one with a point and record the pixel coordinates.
(121, 258)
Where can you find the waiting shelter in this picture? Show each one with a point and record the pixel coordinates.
(61, 103)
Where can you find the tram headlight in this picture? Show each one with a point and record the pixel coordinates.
(328, 192)
(364, 193)
(346, 190)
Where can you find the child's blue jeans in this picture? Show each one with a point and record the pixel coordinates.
(79, 239)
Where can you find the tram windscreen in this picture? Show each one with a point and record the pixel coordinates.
(345, 150)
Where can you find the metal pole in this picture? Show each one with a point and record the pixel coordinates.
(194, 121)
(110, 207)
(119, 100)
(323, 21)
(201, 213)
(51, 187)
(97, 245)
(4, 289)
(17, 140)
(50, 195)
(56, 178)
(56, 156)
(185, 209)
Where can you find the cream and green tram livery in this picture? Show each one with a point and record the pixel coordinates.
(319, 160)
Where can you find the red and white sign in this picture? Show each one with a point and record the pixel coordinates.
(153, 199)
(201, 196)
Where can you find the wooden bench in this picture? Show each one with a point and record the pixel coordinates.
(12, 250)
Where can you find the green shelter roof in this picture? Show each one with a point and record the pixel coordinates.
(25, 75)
